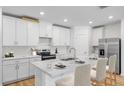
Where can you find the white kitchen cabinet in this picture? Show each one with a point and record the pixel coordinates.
(9, 72)
(15, 69)
(23, 70)
(33, 33)
(45, 29)
(97, 34)
(56, 36)
(21, 32)
(61, 36)
(67, 36)
(8, 31)
(32, 68)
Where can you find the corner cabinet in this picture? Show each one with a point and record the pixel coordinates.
(45, 29)
(33, 33)
(61, 36)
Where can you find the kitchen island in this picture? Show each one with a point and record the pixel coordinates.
(46, 73)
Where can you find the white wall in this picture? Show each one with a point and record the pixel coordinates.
(112, 30)
(81, 41)
(0, 46)
(122, 47)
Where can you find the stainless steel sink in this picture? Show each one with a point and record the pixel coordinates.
(68, 59)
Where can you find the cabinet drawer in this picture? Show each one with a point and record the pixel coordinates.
(23, 60)
(15, 61)
(9, 62)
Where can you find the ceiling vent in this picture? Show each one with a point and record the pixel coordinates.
(103, 7)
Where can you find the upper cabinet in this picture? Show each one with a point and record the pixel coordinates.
(45, 29)
(61, 36)
(21, 31)
(18, 32)
(97, 33)
(33, 33)
(9, 26)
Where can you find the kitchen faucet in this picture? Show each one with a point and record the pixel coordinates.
(74, 51)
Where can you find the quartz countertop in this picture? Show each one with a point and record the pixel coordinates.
(53, 71)
(20, 57)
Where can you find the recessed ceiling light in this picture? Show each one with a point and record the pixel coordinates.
(42, 13)
(65, 20)
(90, 22)
(110, 17)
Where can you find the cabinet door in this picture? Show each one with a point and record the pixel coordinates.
(56, 36)
(49, 30)
(42, 32)
(21, 32)
(23, 70)
(97, 34)
(33, 33)
(9, 73)
(8, 31)
(62, 39)
(45, 29)
(67, 37)
(32, 68)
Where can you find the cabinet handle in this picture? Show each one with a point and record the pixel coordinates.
(17, 67)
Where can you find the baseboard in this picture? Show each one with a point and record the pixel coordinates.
(11, 82)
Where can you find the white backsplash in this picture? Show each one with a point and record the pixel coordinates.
(26, 51)
(18, 51)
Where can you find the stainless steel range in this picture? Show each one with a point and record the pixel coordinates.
(45, 55)
(111, 46)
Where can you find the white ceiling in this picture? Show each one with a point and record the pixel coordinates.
(76, 15)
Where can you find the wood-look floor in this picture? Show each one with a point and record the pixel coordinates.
(31, 81)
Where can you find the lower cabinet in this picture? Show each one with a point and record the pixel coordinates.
(9, 72)
(32, 68)
(18, 69)
(23, 70)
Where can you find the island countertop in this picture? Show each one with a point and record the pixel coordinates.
(50, 69)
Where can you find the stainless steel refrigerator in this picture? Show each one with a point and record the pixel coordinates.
(109, 47)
